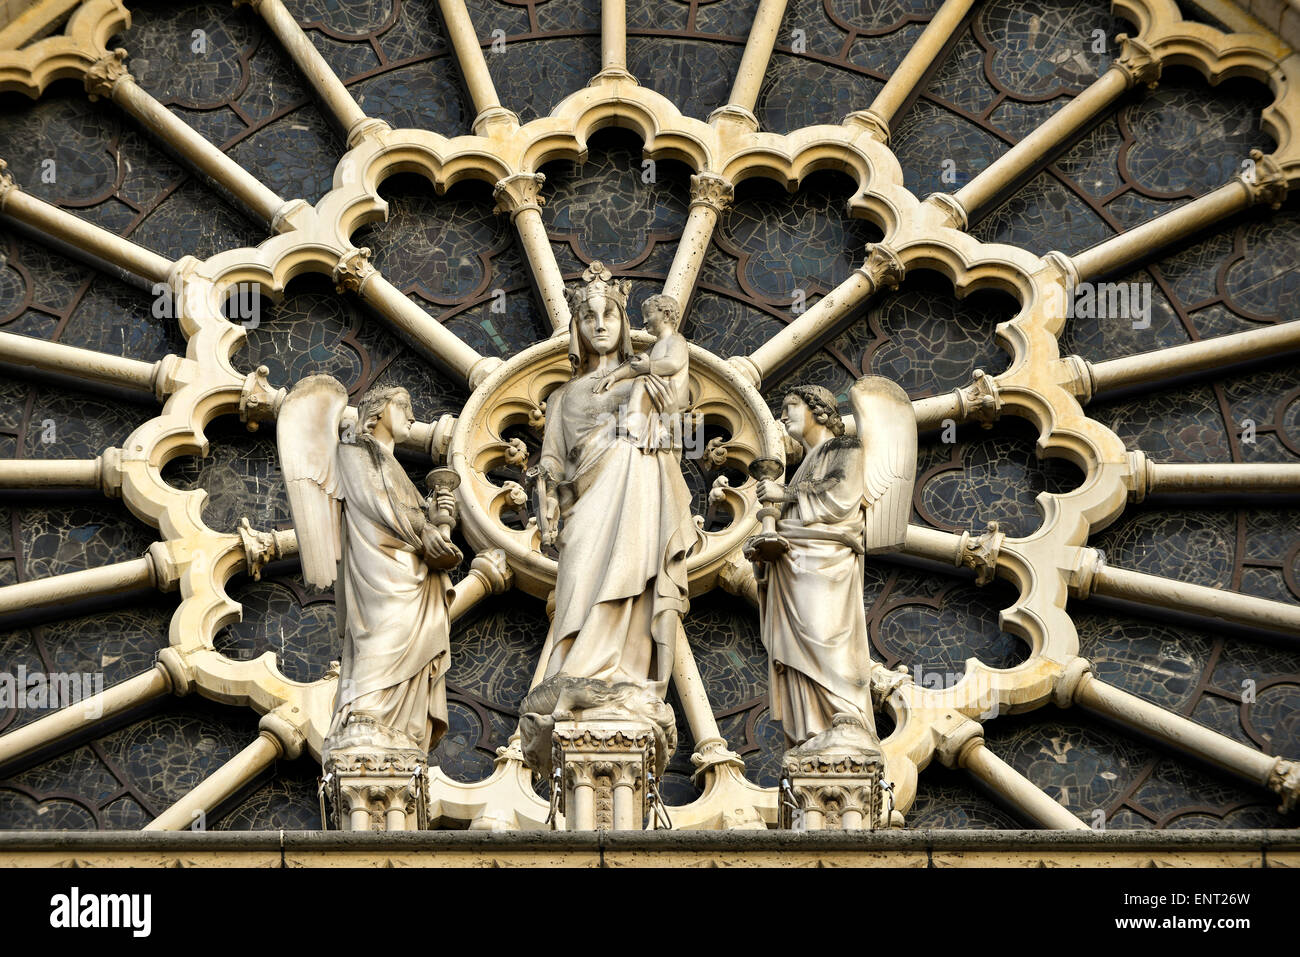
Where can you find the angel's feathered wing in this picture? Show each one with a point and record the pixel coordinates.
(307, 434)
(887, 430)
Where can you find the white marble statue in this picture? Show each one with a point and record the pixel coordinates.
(850, 496)
(363, 528)
(616, 505)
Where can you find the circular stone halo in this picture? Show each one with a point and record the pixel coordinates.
(515, 394)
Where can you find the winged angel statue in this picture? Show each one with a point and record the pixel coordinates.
(362, 523)
(850, 496)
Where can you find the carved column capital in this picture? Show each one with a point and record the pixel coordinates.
(954, 213)
(7, 183)
(870, 121)
(882, 267)
(1080, 379)
(885, 681)
(353, 270)
(1090, 561)
(1141, 476)
(711, 190)
(980, 401)
(711, 753)
(1067, 683)
(106, 73)
(1264, 178)
(284, 732)
(1285, 781)
(980, 552)
(1138, 60)
(259, 400)
(491, 566)
(110, 472)
(519, 192)
(263, 547)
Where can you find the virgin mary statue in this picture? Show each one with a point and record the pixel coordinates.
(623, 512)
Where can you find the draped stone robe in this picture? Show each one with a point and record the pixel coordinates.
(626, 534)
(813, 623)
(392, 608)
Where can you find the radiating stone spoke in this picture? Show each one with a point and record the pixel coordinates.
(905, 81)
(1161, 367)
(1094, 577)
(84, 715)
(474, 69)
(753, 66)
(1154, 478)
(1094, 695)
(1136, 64)
(277, 738)
(96, 242)
(333, 93)
(91, 366)
(110, 78)
(881, 269)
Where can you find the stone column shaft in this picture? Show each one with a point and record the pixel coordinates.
(809, 329)
(76, 232)
(219, 785)
(469, 55)
(49, 473)
(195, 149)
(613, 35)
(87, 713)
(920, 59)
(1010, 784)
(680, 282)
(758, 51)
(1236, 477)
(441, 343)
(1093, 694)
(82, 363)
(1159, 592)
(1008, 169)
(105, 580)
(1164, 364)
(545, 270)
(1143, 241)
(338, 101)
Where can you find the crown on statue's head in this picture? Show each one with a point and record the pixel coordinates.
(599, 281)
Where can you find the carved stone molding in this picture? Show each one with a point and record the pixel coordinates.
(353, 270)
(980, 552)
(604, 770)
(514, 194)
(106, 73)
(883, 267)
(1138, 60)
(711, 190)
(1265, 180)
(375, 789)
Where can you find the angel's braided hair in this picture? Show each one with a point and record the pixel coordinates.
(822, 405)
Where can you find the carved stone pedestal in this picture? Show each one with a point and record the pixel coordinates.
(599, 745)
(835, 781)
(377, 790)
(605, 769)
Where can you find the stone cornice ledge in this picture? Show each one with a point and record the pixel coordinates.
(916, 848)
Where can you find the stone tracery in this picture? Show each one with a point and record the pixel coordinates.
(1039, 385)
